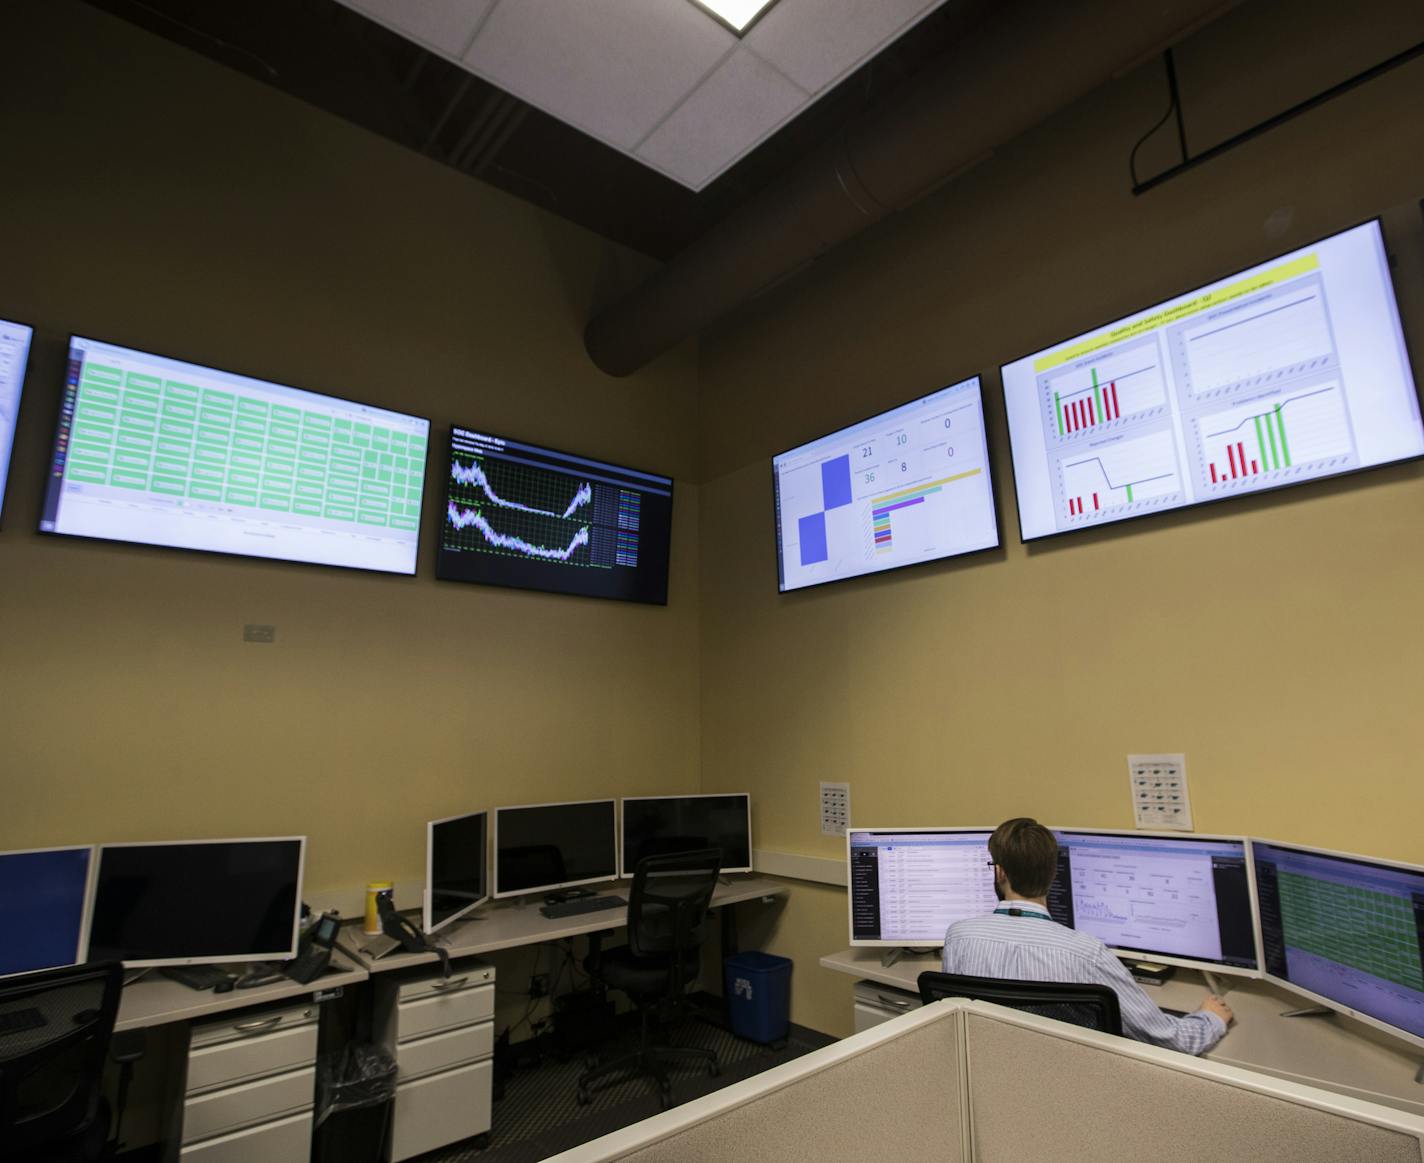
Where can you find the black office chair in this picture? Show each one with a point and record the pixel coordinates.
(1093, 1006)
(55, 1028)
(667, 923)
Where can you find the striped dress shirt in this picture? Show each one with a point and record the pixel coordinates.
(1028, 948)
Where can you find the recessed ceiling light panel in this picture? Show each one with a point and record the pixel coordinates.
(738, 15)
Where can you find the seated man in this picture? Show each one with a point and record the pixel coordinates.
(1020, 941)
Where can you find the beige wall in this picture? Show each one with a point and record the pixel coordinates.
(153, 198)
(1276, 641)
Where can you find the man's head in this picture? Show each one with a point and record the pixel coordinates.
(1025, 857)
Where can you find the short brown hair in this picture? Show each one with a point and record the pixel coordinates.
(1028, 854)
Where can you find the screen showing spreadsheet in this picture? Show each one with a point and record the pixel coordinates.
(907, 486)
(1346, 931)
(907, 887)
(1174, 898)
(1289, 371)
(161, 452)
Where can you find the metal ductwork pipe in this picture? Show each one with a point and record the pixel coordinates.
(1017, 66)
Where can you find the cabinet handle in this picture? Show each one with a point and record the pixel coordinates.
(898, 1003)
(454, 983)
(261, 1024)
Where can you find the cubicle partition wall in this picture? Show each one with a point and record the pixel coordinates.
(971, 1081)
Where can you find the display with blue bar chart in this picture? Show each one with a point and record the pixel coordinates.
(906, 486)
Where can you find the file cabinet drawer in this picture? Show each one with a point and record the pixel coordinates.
(441, 1109)
(431, 1013)
(468, 975)
(251, 1102)
(253, 1056)
(438, 1052)
(287, 1141)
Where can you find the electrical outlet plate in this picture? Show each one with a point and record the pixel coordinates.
(1159, 792)
(835, 808)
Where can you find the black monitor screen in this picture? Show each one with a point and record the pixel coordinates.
(1347, 931)
(457, 857)
(553, 846)
(666, 824)
(227, 900)
(530, 517)
(42, 908)
(1185, 897)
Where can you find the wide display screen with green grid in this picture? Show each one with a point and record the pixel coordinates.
(161, 452)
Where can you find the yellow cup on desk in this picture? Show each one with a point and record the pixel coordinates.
(373, 916)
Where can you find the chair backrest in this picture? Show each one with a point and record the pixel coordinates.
(1093, 1006)
(55, 1027)
(667, 908)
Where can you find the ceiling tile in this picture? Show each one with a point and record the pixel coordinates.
(728, 114)
(442, 25)
(816, 42)
(613, 68)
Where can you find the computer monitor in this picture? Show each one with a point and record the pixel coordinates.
(908, 885)
(658, 825)
(14, 354)
(44, 908)
(1345, 931)
(456, 857)
(1180, 900)
(190, 902)
(157, 451)
(542, 847)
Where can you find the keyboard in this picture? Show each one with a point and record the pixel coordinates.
(582, 904)
(195, 976)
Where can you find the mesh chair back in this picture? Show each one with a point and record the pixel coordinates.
(1093, 1006)
(667, 908)
(55, 1028)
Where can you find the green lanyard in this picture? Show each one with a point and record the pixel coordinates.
(1021, 913)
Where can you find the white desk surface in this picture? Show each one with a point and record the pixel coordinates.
(509, 924)
(157, 1000)
(1336, 1053)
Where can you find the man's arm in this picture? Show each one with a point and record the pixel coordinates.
(1141, 1019)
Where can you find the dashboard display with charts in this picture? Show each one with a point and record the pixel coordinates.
(907, 486)
(162, 452)
(14, 353)
(1287, 372)
(521, 515)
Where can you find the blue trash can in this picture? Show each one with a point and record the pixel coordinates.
(758, 993)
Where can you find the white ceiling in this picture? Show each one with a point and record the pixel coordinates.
(660, 80)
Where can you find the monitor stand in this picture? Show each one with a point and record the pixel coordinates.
(889, 957)
(1311, 1012)
(1217, 984)
(1419, 1074)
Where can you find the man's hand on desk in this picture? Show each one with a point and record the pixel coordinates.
(1214, 1005)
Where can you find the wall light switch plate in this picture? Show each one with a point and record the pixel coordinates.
(1159, 792)
(835, 808)
(252, 632)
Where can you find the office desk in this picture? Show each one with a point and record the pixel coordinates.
(156, 1000)
(509, 925)
(1336, 1053)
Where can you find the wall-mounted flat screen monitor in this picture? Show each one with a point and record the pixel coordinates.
(1345, 931)
(908, 885)
(543, 847)
(14, 355)
(907, 486)
(1181, 900)
(44, 908)
(161, 452)
(1286, 372)
(661, 825)
(190, 902)
(535, 518)
(456, 857)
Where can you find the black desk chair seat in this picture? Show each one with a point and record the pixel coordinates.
(55, 1028)
(667, 923)
(1092, 1006)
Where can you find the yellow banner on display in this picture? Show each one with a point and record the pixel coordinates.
(1183, 310)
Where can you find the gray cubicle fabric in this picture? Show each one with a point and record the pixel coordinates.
(1034, 1095)
(900, 1099)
